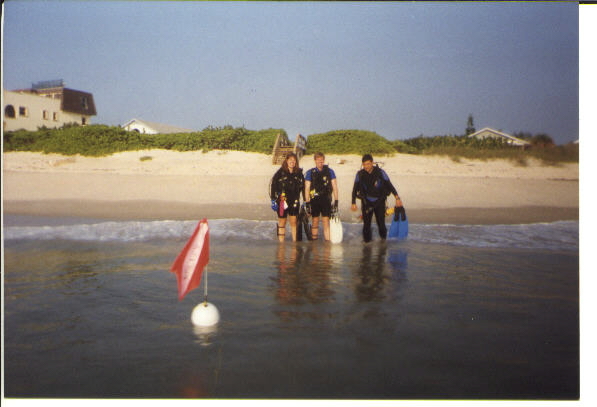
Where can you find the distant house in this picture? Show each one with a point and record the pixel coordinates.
(491, 133)
(145, 127)
(47, 103)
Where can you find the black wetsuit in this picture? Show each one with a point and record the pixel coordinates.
(321, 190)
(373, 189)
(292, 185)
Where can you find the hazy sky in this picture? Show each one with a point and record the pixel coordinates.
(400, 69)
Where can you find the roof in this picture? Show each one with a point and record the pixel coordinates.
(160, 128)
(497, 134)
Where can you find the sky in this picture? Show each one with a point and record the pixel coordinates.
(401, 69)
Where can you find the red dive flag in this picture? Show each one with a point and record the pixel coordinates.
(189, 264)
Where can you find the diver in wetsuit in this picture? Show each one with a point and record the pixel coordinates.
(320, 185)
(286, 188)
(372, 186)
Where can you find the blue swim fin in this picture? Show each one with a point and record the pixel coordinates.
(399, 226)
(394, 228)
(402, 224)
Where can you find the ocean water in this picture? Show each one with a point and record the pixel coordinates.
(466, 312)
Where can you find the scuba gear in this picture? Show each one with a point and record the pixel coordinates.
(304, 220)
(321, 182)
(290, 184)
(400, 213)
(283, 204)
(399, 226)
(368, 211)
(373, 186)
(335, 208)
(336, 233)
(285, 190)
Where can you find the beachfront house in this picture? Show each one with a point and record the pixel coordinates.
(491, 133)
(145, 127)
(46, 104)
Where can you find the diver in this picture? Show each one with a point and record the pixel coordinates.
(372, 186)
(286, 188)
(320, 185)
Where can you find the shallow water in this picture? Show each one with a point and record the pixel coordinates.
(91, 310)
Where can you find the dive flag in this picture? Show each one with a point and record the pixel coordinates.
(189, 264)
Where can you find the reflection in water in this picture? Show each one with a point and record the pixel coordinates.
(312, 274)
(373, 276)
(205, 335)
(398, 260)
(370, 276)
(305, 276)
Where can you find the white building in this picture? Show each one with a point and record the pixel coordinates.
(491, 133)
(145, 127)
(47, 104)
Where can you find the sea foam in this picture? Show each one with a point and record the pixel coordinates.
(563, 235)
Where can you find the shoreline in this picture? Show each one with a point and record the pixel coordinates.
(153, 210)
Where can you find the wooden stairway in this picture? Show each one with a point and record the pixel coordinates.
(283, 147)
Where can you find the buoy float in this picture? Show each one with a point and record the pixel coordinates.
(205, 314)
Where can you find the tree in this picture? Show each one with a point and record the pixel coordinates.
(470, 127)
(542, 140)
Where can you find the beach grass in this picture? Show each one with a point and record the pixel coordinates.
(549, 156)
(102, 140)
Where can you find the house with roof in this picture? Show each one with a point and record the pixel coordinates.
(46, 104)
(491, 133)
(146, 127)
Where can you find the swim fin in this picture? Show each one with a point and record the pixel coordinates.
(305, 222)
(399, 226)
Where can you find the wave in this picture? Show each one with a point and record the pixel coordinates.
(562, 235)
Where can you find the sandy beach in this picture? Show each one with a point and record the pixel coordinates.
(159, 184)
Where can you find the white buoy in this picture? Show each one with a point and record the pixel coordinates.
(205, 314)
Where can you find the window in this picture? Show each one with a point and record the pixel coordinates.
(9, 112)
(84, 102)
(83, 120)
(45, 115)
(23, 111)
(55, 116)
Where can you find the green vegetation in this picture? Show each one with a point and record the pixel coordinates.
(458, 147)
(349, 142)
(99, 140)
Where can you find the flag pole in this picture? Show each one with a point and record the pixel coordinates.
(205, 286)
